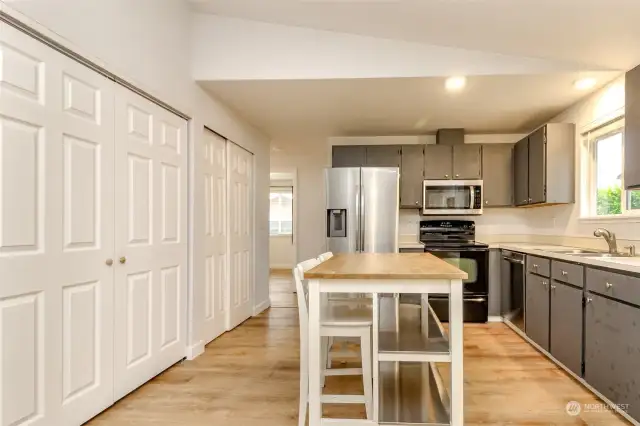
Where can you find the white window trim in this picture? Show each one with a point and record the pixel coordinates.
(587, 161)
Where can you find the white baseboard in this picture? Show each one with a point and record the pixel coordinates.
(261, 307)
(195, 351)
(583, 382)
(494, 318)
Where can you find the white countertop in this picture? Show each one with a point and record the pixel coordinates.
(628, 264)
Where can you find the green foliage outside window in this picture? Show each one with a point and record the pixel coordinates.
(608, 201)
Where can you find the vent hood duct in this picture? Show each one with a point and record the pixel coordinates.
(450, 136)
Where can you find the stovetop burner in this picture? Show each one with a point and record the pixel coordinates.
(449, 234)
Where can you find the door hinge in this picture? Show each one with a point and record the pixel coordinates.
(544, 191)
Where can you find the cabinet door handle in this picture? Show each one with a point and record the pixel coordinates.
(589, 300)
(417, 203)
(447, 176)
(535, 266)
(608, 285)
(553, 287)
(564, 273)
(457, 175)
(545, 283)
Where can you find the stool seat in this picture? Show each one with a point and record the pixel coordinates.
(342, 314)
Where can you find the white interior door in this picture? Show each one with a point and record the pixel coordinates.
(240, 207)
(56, 234)
(215, 245)
(151, 240)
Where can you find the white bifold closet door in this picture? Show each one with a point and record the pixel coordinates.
(240, 207)
(56, 236)
(150, 240)
(215, 242)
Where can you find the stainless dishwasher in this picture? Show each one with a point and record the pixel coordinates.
(513, 288)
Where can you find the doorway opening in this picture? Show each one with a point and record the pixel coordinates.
(282, 237)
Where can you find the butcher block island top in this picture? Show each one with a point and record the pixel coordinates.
(419, 266)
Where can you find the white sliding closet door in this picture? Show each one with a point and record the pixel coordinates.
(56, 236)
(240, 200)
(215, 245)
(151, 240)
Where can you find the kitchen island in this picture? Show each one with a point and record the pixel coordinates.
(406, 385)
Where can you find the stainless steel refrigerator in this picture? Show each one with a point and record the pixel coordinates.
(362, 209)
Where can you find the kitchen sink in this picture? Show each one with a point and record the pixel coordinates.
(581, 252)
(596, 254)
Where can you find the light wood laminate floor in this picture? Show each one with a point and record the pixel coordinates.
(249, 377)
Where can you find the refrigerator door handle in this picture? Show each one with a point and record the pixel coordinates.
(357, 213)
(363, 222)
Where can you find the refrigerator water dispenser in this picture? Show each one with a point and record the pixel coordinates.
(336, 223)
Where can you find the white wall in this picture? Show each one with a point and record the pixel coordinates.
(148, 43)
(565, 220)
(236, 49)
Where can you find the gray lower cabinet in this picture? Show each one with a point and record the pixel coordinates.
(438, 162)
(537, 167)
(537, 310)
(467, 161)
(383, 156)
(497, 175)
(411, 176)
(349, 156)
(521, 172)
(565, 339)
(612, 350)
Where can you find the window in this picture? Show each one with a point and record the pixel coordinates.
(281, 210)
(606, 196)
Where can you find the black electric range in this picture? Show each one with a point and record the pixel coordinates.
(454, 242)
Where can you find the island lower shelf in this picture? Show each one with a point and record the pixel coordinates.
(410, 332)
(412, 393)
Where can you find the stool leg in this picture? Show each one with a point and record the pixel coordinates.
(304, 388)
(367, 380)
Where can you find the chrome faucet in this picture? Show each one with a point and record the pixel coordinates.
(609, 237)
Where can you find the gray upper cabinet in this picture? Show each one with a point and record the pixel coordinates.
(565, 338)
(632, 129)
(497, 172)
(612, 345)
(411, 176)
(537, 310)
(438, 162)
(349, 156)
(521, 172)
(383, 156)
(467, 161)
(537, 165)
(544, 166)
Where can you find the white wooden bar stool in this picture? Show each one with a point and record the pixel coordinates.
(337, 320)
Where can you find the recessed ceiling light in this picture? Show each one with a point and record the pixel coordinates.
(584, 83)
(453, 84)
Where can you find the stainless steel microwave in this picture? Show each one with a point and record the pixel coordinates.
(452, 197)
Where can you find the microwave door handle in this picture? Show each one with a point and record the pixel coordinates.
(472, 197)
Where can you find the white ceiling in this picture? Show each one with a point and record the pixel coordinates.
(502, 104)
(596, 33)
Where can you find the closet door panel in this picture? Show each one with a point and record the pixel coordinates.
(151, 240)
(215, 243)
(56, 235)
(240, 201)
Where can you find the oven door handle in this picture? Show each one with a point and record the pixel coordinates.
(454, 250)
(512, 260)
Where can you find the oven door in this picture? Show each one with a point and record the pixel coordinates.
(475, 262)
(442, 197)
